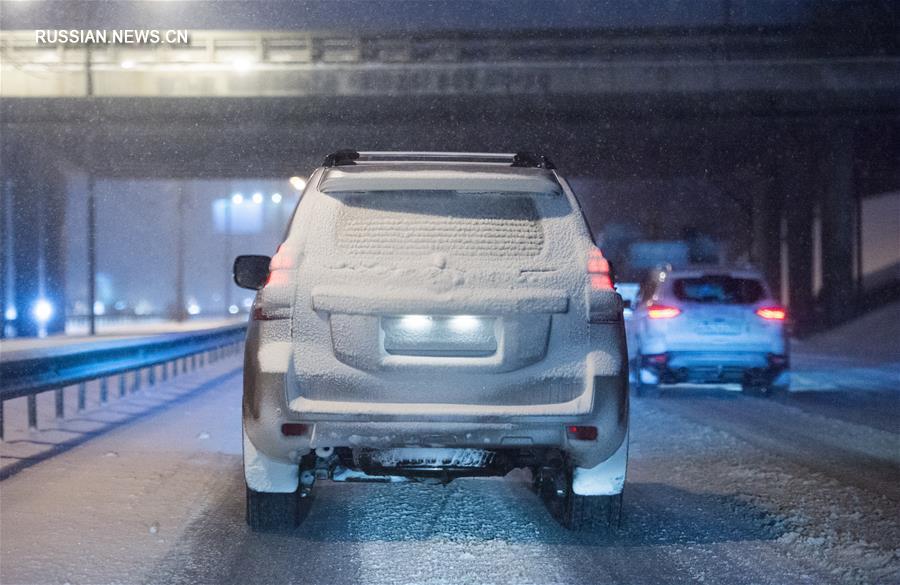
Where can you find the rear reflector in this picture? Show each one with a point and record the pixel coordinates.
(772, 313)
(294, 429)
(580, 433)
(662, 312)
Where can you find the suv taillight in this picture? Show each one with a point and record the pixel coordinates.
(598, 270)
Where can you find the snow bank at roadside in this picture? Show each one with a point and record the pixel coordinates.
(850, 531)
(869, 338)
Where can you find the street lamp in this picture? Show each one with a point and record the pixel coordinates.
(42, 311)
(236, 199)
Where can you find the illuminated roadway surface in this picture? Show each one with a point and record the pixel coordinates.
(722, 488)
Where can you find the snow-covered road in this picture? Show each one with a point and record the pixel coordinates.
(722, 488)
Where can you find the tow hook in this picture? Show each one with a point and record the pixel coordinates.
(326, 459)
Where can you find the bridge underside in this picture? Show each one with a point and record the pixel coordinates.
(612, 136)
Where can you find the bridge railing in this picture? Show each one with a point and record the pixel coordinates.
(163, 355)
(307, 64)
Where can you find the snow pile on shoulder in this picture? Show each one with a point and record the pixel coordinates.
(870, 337)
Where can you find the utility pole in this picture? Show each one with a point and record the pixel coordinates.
(180, 310)
(7, 259)
(228, 260)
(92, 252)
(92, 201)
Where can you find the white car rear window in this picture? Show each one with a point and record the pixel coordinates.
(721, 289)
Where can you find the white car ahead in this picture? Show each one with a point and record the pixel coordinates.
(708, 326)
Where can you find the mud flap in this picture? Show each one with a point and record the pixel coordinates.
(783, 380)
(605, 479)
(264, 474)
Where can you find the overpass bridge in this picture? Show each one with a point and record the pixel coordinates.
(784, 121)
(598, 64)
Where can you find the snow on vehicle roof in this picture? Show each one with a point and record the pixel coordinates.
(475, 178)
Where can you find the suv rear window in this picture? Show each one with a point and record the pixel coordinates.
(462, 224)
(719, 289)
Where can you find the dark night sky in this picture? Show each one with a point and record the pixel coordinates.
(375, 16)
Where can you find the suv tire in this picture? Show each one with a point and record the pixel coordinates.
(275, 511)
(642, 388)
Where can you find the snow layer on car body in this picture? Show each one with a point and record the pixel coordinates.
(551, 365)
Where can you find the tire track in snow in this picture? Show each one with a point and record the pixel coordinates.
(488, 531)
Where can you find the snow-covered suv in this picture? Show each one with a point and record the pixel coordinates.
(435, 315)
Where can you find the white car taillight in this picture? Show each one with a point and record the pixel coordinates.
(662, 312)
(772, 313)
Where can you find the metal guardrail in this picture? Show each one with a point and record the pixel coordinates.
(165, 354)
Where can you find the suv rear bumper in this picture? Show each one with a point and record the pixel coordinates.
(271, 400)
(383, 426)
(715, 367)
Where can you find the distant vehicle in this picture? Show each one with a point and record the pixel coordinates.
(645, 255)
(708, 326)
(435, 315)
(629, 291)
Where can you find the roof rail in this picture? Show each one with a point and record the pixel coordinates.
(528, 159)
(519, 159)
(340, 157)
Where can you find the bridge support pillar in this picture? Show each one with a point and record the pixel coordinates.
(838, 228)
(798, 185)
(768, 210)
(31, 251)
